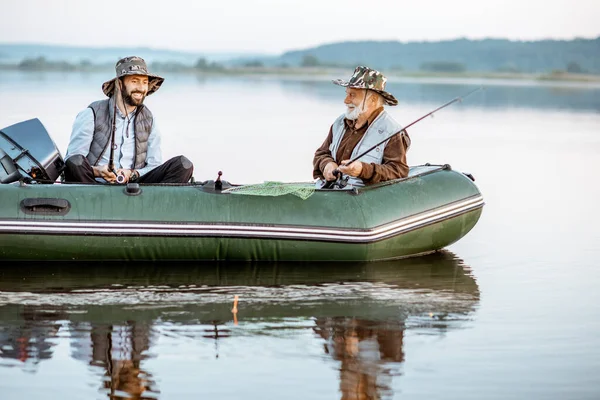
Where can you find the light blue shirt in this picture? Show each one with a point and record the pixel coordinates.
(83, 132)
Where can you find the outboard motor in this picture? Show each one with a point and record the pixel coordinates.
(28, 152)
(8, 169)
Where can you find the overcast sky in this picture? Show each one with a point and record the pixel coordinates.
(270, 26)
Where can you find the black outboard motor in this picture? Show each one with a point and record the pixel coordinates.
(28, 152)
(8, 169)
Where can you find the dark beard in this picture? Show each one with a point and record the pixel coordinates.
(130, 101)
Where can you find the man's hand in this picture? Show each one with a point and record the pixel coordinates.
(353, 169)
(328, 172)
(126, 174)
(103, 172)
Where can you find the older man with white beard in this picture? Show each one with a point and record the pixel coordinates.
(364, 124)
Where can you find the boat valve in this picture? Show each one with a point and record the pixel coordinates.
(132, 189)
(218, 183)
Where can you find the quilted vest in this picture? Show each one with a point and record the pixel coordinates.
(103, 114)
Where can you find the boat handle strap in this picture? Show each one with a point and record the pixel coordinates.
(45, 206)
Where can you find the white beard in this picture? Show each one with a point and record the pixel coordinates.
(352, 113)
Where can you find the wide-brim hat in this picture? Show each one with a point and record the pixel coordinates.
(370, 79)
(133, 66)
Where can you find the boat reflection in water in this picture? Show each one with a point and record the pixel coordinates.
(113, 314)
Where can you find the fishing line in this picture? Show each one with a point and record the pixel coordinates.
(338, 173)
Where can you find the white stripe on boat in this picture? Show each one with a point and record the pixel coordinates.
(185, 229)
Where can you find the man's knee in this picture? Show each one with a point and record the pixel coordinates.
(188, 168)
(185, 163)
(181, 168)
(78, 169)
(75, 161)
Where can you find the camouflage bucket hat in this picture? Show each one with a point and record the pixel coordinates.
(367, 78)
(133, 66)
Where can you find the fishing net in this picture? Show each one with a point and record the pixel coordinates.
(300, 189)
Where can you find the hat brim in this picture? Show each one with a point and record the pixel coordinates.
(154, 83)
(389, 98)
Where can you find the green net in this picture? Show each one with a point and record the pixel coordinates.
(301, 189)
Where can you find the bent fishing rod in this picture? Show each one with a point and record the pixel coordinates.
(337, 172)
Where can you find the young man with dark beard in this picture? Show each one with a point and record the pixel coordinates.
(136, 152)
(364, 124)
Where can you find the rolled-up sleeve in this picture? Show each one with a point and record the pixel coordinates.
(81, 134)
(154, 156)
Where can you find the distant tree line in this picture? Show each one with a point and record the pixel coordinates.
(310, 60)
(489, 55)
(577, 56)
(40, 63)
(443, 66)
(43, 64)
(204, 65)
(307, 60)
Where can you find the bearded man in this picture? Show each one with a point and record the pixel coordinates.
(123, 120)
(364, 124)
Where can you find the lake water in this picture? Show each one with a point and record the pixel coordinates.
(512, 311)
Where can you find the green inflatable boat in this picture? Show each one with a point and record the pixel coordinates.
(430, 209)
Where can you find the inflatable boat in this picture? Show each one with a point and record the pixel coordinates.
(41, 219)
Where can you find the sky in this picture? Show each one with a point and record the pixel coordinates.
(275, 26)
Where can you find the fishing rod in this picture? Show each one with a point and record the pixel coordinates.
(111, 158)
(338, 173)
(113, 146)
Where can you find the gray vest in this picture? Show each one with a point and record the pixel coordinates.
(103, 114)
(383, 126)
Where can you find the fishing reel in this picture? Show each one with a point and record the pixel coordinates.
(120, 178)
(340, 182)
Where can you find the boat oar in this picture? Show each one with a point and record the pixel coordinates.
(339, 174)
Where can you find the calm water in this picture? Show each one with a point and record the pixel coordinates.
(512, 311)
